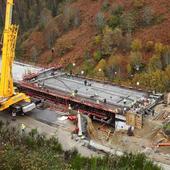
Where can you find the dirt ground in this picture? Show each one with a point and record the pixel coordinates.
(144, 140)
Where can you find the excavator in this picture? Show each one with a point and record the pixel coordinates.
(10, 99)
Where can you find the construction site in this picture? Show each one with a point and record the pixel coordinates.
(95, 117)
(106, 117)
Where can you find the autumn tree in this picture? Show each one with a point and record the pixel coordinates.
(107, 41)
(115, 66)
(154, 80)
(148, 15)
(136, 45)
(128, 22)
(34, 53)
(101, 65)
(100, 21)
(117, 37)
(166, 56)
(159, 48)
(45, 17)
(136, 56)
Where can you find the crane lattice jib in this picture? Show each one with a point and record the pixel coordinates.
(8, 53)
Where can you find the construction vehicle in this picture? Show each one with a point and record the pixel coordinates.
(9, 97)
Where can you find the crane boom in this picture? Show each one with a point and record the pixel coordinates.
(8, 97)
(8, 52)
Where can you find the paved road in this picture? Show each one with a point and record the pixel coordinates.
(50, 117)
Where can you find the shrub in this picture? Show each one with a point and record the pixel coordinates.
(97, 55)
(114, 21)
(105, 5)
(136, 45)
(97, 40)
(149, 46)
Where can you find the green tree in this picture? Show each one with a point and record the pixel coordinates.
(154, 63)
(97, 55)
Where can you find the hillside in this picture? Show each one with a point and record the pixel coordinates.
(21, 150)
(128, 41)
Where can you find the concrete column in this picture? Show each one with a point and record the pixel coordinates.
(79, 125)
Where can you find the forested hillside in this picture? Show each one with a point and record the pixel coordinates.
(27, 13)
(118, 40)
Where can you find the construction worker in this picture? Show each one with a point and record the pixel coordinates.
(13, 116)
(85, 82)
(124, 101)
(23, 128)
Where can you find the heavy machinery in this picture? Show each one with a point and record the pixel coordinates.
(9, 98)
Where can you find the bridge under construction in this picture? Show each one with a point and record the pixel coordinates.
(101, 101)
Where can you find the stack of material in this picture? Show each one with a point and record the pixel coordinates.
(162, 116)
(138, 121)
(159, 137)
(135, 120)
(82, 124)
(90, 129)
(164, 144)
